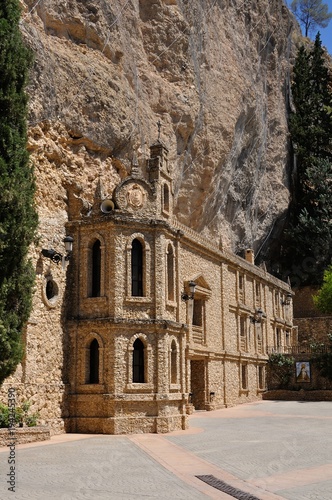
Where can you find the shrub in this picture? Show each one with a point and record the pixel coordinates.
(22, 415)
(281, 368)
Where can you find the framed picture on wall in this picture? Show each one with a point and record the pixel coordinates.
(303, 371)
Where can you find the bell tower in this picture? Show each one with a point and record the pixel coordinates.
(160, 176)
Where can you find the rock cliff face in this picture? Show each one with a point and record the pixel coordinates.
(215, 73)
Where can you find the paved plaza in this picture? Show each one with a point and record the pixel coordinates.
(267, 450)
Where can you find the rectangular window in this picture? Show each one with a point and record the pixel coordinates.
(261, 377)
(198, 323)
(258, 293)
(243, 333)
(278, 337)
(244, 376)
(198, 312)
(242, 326)
(241, 287)
(276, 303)
(259, 337)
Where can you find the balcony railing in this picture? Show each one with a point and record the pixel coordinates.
(296, 349)
(243, 344)
(259, 346)
(198, 334)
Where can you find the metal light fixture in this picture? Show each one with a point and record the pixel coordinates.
(189, 296)
(287, 300)
(258, 316)
(57, 256)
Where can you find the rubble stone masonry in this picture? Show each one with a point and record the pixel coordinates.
(117, 344)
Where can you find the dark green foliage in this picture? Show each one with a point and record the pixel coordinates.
(324, 361)
(323, 298)
(280, 370)
(307, 241)
(18, 218)
(311, 124)
(4, 416)
(20, 415)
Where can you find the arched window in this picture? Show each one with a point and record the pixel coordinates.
(138, 361)
(95, 269)
(137, 268)
(170, 273)
(173, 363)
(93, 376)
(166, 198)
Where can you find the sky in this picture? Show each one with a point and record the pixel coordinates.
(326, 34)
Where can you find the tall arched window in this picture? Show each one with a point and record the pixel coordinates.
(93, 377)
(166, 198)
(170, 273)
(173, 363)
(137, 269)
(138, 361)
(95, 269)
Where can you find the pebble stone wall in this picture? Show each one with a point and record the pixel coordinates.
(205, 353)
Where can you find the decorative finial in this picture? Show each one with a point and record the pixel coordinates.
(99, 192)
(159, 128)
(134, 166)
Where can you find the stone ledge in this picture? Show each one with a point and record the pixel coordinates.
(23, 435)
(301, 395)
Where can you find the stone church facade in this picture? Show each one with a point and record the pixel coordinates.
(143, 352)
(136, 349)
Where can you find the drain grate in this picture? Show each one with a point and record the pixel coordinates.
(226, 488)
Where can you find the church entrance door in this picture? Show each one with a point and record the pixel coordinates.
(197, 382)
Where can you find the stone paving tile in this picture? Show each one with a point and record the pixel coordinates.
(318, 491)
(262, 442)
(296, 478)
(98, 468)
(278, 449)
(188, 467)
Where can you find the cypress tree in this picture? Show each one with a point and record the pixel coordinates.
(307, 242)
(18, 217)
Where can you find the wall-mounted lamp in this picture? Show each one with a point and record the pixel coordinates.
(212, 394)
(190, 397)
(57, 256)
(185, 296)
(258, 316)
(287, 300)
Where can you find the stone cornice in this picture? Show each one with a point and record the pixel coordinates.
(188, 236)
(193, 238)
(136, 322)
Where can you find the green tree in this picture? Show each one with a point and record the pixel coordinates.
(18, 217)
(322, 353)
(307, 241)
(311, 14)
(311, 123)
(323, 298)
(280, 369)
